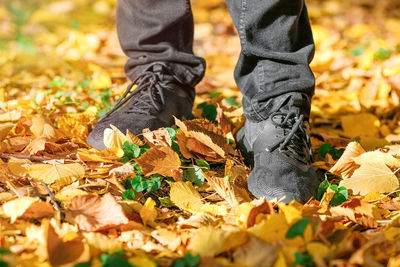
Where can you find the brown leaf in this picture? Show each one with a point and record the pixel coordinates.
(158, 137)
(92, 213)
(159, 160)
(223, 121)
(5, 128)
(356, 210)
(345, 166)
(62, 252)
(41, 127)
(38, 210)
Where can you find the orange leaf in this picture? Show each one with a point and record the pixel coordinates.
(159, 160)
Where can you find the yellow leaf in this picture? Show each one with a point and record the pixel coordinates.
(58, 174)
(19, 167)
(103, 242)
(41, 127)
(364, 124)
(292, 211)
(377, 157)
(159, 160)
(17, 207)
(76, 125)
(5, 128)
(223, 188)
(209, 241)
(142, 262)
(148, 212)
(12, 115)
(215, 210)
(68, 194)
(114, 139)
(185, 196)
(272, 229)
(371, 177)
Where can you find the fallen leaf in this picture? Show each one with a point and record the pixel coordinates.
(5, 128)
(371, 177)
(357, 211)
(103, 242)
(17, 207)
(223, 188)
(92, 213)
(159, 160)
(345, 166)
(256, 253)
(63, 252)
(148, 212)
(364, 124)
(209, 241)
(57, 174)
(41, 127)
(158, 137)
(185, 196)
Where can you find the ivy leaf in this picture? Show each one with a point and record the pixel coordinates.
(328, 149)
(138, 184)
(187, 261)
(131, 151)
(171, 132)
(194, 174)
(4, 251)
(128, 195)
(303, 259)
(340, 196)
(154, 183)
(82, 264)
(298, 228)
(322, 188)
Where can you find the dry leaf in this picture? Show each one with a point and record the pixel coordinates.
(345, 166)
(5, 128)
(17, 207)
(377, 157)
(364, 124)
(158, 137)
(92, 213)
(159, 160)
(371, 177)
(148, 212)
(65, 252)
(41, 127)
(356, 210)
(209, 241)
(57, 174)
(185, 196)
(224, 189)
(256, 253)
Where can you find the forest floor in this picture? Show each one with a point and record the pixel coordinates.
(178, 196)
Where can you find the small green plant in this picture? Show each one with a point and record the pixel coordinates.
(298, 228)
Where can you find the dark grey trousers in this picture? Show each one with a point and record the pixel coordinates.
(275, 35)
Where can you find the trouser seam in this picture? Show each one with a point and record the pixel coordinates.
(242, 22)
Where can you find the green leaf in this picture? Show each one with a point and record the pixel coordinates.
(194, 174)
(128, 195)
(25, 43)
(298, 228)
(139, 184)
(214, 94)
(105, 97)
(203, 164)
(165, 201)
(358, 51)
(85, 105)
(171, 132)
(58, 82)
(382, 54)
(324, 149)
(154, 183)
(303, 259)
(4, 251)
(3, 264)
(84, 83)
(82, 264)
(114, 260)
(232, 101)
(322, 188)
(131, 151)
(187, 261)
(340, 196)
(209, 111)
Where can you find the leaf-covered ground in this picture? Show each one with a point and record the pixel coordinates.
(177, 196)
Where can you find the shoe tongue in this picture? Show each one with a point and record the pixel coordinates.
(296, 102)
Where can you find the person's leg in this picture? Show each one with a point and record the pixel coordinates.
(159, 31)
(157, 36)
(277, 47)
(277, 84)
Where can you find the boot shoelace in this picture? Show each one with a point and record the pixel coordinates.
(296, 143)
(150, 85)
